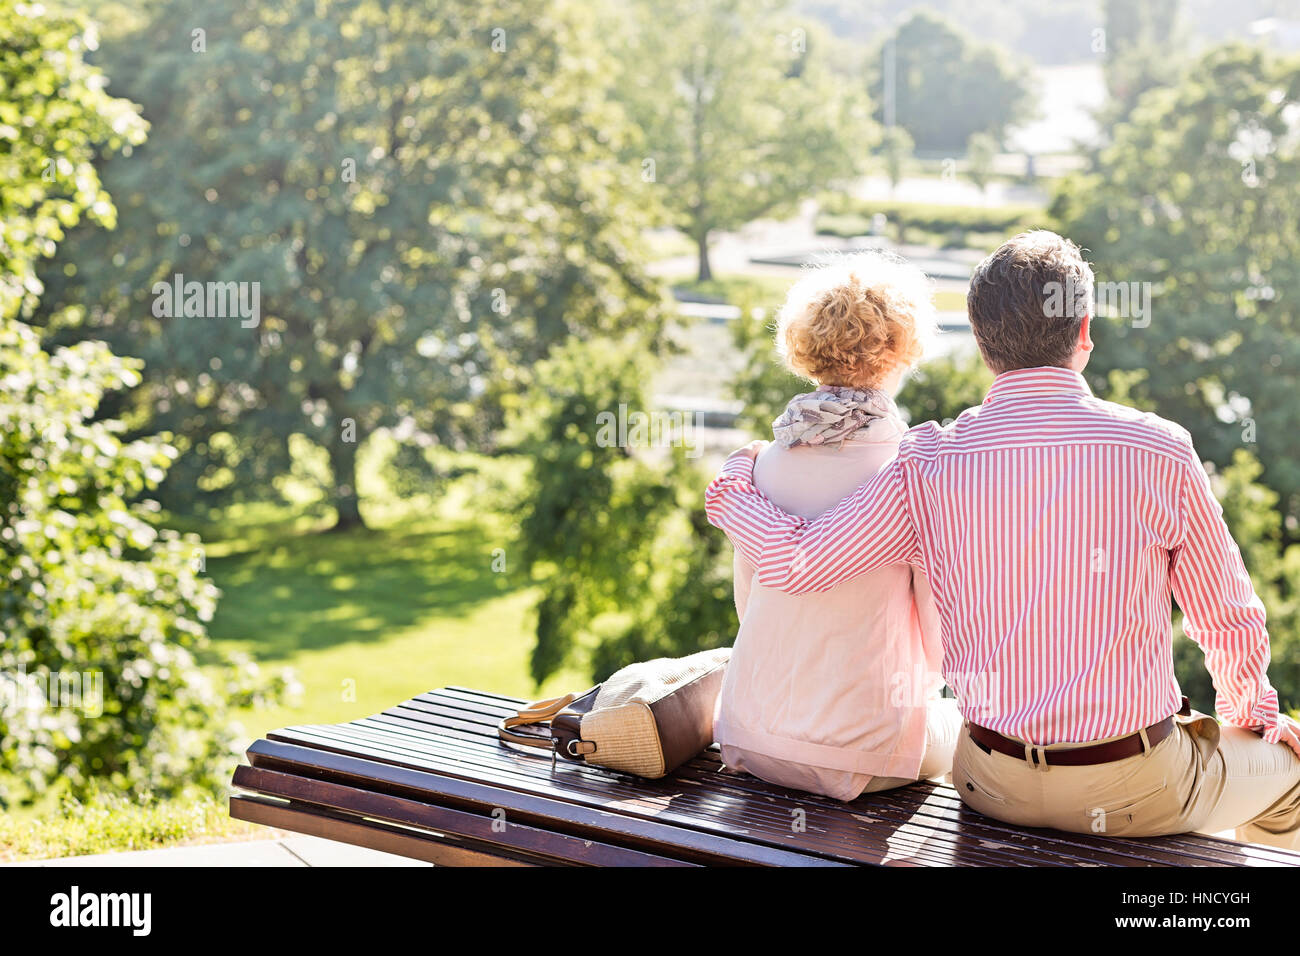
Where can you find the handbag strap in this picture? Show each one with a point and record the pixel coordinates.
(536, 713)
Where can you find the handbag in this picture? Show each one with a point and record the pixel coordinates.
(647, 719)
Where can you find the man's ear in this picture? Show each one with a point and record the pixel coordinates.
(1085, 334)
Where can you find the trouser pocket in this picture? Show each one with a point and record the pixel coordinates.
(976, 783)
(1144, 795)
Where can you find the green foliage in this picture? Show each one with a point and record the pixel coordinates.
(764, 385)
(981, 150)
(428, 195)
(737, 110)
(1145, 44)
(1197, 196)
(54, 114)
(944, 387)
(615, 535)
(1251, 511)
(102, 615)
(947, 86)
(896, 149)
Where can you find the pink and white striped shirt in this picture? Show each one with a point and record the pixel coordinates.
(1054, 528)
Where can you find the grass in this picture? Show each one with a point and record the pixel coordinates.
(370, 617)
(668, 244)
(743, 290)
(950, 301)
(110, 824)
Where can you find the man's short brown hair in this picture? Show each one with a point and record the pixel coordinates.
(1028, 300)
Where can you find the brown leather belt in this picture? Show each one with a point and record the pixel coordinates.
(1130, 746)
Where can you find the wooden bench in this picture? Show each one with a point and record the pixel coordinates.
(429, 779)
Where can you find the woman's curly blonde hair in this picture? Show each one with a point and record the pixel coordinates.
(853, 320)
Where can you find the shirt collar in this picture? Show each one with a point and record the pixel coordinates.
(1047, 380)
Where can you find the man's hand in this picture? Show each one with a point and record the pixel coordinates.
(751, 450)
(1290, 732)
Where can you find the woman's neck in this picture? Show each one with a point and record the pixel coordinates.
(890, 384)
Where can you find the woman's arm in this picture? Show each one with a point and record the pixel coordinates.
(927, 614)
(743, 578)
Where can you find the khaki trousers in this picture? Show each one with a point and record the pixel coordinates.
(1202, 777)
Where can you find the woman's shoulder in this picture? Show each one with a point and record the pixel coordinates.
(844, 454)
(807, 479)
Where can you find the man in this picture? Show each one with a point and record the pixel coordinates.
(1055, 528)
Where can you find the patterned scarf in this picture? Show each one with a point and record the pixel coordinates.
(835, 414)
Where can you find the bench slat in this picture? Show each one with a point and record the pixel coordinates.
(483, 830)
(359, 832)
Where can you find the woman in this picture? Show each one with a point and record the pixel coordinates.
(836, 692)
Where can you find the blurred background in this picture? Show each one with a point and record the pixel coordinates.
(350, 348)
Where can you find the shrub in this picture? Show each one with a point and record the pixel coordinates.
(102, 636)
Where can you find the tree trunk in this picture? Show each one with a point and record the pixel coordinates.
(343, 464)
(702, 241)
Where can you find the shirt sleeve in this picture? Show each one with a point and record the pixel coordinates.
(869, 529)
(1221, 611)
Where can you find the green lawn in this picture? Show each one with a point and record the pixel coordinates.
(368, 618)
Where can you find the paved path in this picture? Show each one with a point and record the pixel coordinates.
(292, 850)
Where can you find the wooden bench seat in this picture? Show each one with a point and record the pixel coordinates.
(429, 779)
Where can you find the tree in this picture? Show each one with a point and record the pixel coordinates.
(739, 114)
(1193, 207)
(896, 148)
(613, 528)
(1144, 48)
(418, 199)
(944, 387)
(947, 86)
(981, 150)
(763, 384)
(101, 615)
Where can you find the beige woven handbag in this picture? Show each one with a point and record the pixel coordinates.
(647, 719)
